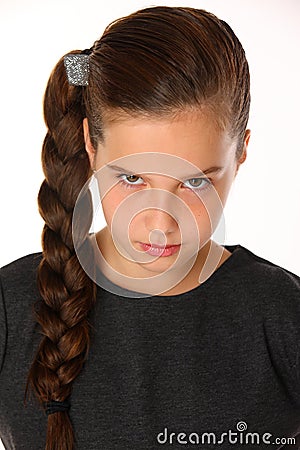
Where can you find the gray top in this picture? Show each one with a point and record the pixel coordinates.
(219, 358)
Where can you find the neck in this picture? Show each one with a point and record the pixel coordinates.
(134, 277)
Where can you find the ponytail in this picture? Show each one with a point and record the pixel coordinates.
(67, 293)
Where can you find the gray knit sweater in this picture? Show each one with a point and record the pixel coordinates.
(198, 370)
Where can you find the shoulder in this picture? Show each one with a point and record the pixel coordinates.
(20, 271)
(18, 281)
(268, 296)
(261, 288)
(265, 264)
(18, 293)
(278, 292)
(260, 275)
(279, 282)
(22, 263)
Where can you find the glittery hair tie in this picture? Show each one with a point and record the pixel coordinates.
(77, 68)
(54, 406)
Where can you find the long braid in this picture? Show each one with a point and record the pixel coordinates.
(68, 293)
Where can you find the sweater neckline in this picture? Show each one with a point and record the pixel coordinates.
(237, 253)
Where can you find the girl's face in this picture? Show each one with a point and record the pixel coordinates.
(163, 184)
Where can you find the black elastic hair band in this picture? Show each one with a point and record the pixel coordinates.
(54, 406)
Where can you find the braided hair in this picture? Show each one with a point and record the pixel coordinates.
(67, 292)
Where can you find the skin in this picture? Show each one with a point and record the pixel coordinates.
(191, 137)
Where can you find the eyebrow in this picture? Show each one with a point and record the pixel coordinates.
(206, 171)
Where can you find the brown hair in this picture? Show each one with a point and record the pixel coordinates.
(157, 61)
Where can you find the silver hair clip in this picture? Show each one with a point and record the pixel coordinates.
(77, 69)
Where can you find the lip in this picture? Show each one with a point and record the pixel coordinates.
(160, 250)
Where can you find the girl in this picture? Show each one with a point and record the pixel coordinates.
(147, 333)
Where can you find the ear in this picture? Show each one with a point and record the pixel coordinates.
(88, 145)
(244, 153)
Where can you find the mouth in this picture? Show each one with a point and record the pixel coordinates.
(160, 250)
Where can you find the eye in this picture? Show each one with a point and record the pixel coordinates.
(130, 179)
(197, 183)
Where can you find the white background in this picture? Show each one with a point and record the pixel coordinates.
(263, 210)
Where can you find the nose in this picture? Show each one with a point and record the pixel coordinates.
(160, 211)
(160, 221)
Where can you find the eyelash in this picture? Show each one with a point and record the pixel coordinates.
(129, 185)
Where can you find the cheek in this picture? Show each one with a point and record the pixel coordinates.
(110, 204)
(207, 212)
(135, 228)
(202, 218)
(121, 215)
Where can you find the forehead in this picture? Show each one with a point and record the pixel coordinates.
(190, 135)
